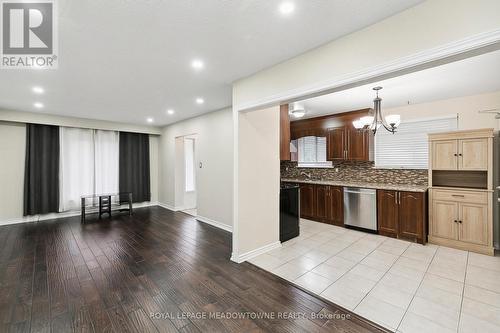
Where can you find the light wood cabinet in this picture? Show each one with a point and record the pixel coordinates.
(446, 213)
(473, 154)
(462, 154)
(461, 194)
(473, 226)
(444, 155)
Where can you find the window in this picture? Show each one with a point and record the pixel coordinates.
(312, 152)
(189, 164)
(408, 148)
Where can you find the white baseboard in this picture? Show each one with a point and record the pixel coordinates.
(254, 253)
(53, 216)
(214, 223)
(170, 207)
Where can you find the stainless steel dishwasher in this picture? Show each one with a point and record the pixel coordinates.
(360, 208)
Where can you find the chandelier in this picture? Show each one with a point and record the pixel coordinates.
(373, 123)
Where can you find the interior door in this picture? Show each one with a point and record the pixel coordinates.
(336, 205)
(387, 212)
(357, 145)
(473, 223)
(307, 201)
(411, 219)
(473, 154)
(336, 143)
(445, 219)
(444, 155)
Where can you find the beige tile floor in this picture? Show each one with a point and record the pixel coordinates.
(402, 286)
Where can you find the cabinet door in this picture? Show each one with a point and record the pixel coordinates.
(357, 145)
(307, 201)
(444, 155)
(387, 213)
(335, 143)
(411, 215)
(473, 154)
(473, 223)
(336, 205)
(444, 219)
(321, 203)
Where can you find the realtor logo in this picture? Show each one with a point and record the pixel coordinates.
(28, 34)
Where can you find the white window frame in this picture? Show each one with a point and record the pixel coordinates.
(416, 120)
(313, 164)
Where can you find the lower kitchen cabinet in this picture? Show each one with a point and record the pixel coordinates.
(322, 203)
(402, 215)
(307, 201)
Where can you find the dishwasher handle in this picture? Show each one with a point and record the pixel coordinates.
(360, 191)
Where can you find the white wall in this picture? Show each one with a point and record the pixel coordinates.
(428, 25)
(12, 155)
(466, 107)
(12, 161)
(215, 151)
(258, 183)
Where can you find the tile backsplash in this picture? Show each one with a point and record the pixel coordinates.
(351, 171)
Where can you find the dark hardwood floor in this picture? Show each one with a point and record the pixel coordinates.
(157, 271)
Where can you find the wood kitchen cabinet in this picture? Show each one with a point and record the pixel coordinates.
(284, 133)
(402, 214)
(343, 141)
(335, 212)
(322, 203)
(462, 154)
(461, 193)
(348, 143)
(336, 144)
(307, 201)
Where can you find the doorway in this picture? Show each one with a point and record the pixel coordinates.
(185, 176)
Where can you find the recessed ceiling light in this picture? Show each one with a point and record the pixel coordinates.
(286, 8)
(150, 120)
(38, 90)
(38, 105)
(200, 100)
(197, 64)
(170, 111)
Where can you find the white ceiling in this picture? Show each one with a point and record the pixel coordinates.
(462, 78)
(127, 60)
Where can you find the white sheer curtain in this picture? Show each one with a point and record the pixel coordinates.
(76, 170)
(88, 165)
(107, 146)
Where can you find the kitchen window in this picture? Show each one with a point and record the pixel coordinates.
(311, 151)
(408, 148)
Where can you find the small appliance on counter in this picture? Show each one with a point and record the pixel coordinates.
(289, 211)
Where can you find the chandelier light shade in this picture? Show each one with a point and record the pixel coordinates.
(373, 123)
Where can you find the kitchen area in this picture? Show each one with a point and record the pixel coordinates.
(390, 214)
(351, 192)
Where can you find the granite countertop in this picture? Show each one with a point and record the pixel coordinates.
(378, 186)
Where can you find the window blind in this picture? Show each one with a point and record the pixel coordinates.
(312, 152)
(408, 148)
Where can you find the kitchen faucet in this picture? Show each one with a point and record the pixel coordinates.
(308, 175)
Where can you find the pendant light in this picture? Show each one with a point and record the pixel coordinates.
(373, 123)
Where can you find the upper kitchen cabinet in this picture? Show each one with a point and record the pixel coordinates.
(343, 141)
(449, 153)
(284, 133)
(336, 143)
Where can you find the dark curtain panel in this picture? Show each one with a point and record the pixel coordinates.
(134, 166)
(41, 174)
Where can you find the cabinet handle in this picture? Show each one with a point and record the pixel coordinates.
(460, 221)
(458, 195)
(396, 198)
(455, 154)
(455, 221)
(459, 154)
